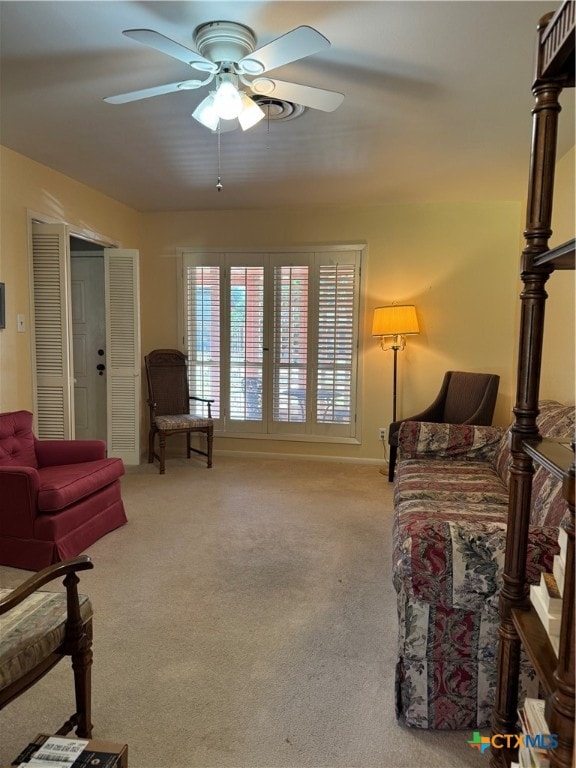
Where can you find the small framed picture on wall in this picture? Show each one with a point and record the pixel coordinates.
(2, 307)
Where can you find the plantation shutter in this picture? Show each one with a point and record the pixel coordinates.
(337, 313)
(53, 406)
(273, 338)
(315, 320)
(203, 342)
(291, 374)
(121, 276)
(245, 329)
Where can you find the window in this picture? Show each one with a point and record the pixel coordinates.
(273, 338)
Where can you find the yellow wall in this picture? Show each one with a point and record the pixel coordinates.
(557, 380)
(458, 262)
(28, 186)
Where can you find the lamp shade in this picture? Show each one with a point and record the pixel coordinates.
(227, 101)
(251, 113)
(395, 320)
(206, 114)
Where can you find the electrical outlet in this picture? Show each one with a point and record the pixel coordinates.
(382, 433)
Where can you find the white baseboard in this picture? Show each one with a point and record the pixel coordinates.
(297, 457)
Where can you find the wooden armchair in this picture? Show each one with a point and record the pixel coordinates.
(170, 405)
(38, 629)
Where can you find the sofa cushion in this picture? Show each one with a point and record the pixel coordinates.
(17, 439)
(441, 556)
(502, 458)
(460, 482)
(63, 485)
(555, 419)
(463, 442)
(445, 561)
(548, 505)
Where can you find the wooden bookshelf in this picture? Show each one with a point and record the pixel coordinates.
(520, 627)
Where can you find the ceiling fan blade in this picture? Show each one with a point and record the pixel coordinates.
(297, 44)
(308, 96)
(170, 47)
(146, 93)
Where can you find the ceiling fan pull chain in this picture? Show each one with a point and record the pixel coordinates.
(268, 127)
(219, 182)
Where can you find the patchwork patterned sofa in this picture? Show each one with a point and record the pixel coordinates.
(449, 536)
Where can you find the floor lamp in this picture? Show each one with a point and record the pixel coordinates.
(392, 324)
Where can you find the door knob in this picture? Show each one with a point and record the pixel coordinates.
(100, 368)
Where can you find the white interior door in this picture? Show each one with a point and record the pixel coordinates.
(52, 331)
(121, 270)
(50, 324)
(89, 346)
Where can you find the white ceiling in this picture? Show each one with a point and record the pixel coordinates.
(437, 103)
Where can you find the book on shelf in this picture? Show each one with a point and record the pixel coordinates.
(559, 572)
(550, 593)
(533, 752)
(562, 543)
(534, 712)
(559, 563)
(528, 759)
(551, 621)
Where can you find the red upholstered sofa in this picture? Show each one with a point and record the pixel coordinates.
(57, 497)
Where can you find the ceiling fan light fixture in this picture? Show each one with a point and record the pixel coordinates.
(251, 113)
(206, 113)
(227, 100)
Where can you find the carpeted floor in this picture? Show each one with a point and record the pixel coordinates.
(245, 618)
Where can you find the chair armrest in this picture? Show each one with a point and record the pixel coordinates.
(209, 402)
(463, 442)
(51, 453)
(19, 487)
(56, 571)
(432, 413)
(460, 564)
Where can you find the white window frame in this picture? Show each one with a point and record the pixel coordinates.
(312, 256)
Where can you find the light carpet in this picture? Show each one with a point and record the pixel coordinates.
(244, 617)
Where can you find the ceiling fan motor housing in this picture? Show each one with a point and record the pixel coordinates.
(224, 41)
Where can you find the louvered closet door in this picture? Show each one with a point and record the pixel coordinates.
(123, 353)
(50, 323)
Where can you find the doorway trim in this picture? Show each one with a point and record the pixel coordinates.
(55, 418)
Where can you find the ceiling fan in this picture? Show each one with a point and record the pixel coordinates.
(228, 56)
